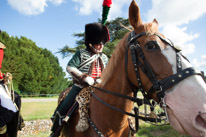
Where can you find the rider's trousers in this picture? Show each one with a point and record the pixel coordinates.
(63, 107)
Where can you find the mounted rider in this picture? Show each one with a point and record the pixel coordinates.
(7, 106)
(85, 67)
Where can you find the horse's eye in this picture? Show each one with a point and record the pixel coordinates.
(151, 45)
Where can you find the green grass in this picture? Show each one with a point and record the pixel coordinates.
(148, 130)
(37, 110)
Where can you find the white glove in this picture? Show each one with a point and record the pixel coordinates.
(98, 80)
(89, 80)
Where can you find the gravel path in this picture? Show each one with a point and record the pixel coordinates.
(35, 127)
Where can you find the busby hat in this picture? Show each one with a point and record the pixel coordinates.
(96, 33)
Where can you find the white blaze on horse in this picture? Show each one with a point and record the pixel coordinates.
(145, 60)
(186, 103)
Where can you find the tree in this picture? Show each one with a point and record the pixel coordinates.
(34, 70)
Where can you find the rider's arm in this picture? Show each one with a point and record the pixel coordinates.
(72, 69)
(73, 64)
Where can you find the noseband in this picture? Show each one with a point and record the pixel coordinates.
(158, 86)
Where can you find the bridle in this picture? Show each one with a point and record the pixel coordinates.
(158, 86)
(139, 61)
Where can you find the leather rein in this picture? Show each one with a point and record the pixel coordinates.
(159, 86)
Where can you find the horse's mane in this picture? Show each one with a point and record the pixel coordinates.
(116, 57)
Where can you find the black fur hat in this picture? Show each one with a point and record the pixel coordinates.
(96, 33)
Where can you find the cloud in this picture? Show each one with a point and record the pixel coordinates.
(117, 9)
(56, 2)
(32, 7)
(176, 12)
(180, 38)
(201, 65)
(87, 7)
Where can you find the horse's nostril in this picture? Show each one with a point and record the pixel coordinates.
(201, 120)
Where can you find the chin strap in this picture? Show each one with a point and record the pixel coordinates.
(94, 49)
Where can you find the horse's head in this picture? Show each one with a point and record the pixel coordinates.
(164, 73)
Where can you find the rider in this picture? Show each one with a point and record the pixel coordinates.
(85, 67)
(7, 108)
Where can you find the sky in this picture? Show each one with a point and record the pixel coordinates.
(52, 23)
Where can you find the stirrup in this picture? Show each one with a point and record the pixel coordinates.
(60, 118)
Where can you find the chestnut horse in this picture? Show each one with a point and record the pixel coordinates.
(157, 68)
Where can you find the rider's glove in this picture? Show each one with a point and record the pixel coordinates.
(89, 80)
(98, 80)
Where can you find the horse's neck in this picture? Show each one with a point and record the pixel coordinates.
(106, 117)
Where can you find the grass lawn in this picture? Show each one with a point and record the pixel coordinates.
(148, 130)
(37, 110)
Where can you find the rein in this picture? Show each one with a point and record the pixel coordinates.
(159, 86)
(136, 100)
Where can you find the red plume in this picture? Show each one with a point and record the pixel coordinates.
(107, 3)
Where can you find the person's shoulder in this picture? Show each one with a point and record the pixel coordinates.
(80, 51)
(84, 51)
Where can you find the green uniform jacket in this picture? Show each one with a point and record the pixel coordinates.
(81, 62)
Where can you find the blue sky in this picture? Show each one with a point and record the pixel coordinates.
(52, 23)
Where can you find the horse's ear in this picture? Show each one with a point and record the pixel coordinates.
(134, 15)
(155, 21)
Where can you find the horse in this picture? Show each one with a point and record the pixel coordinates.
(145, 60)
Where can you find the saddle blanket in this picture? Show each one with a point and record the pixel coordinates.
(6, 100)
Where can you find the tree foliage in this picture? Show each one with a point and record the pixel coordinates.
(34, 70)
(116, 33)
